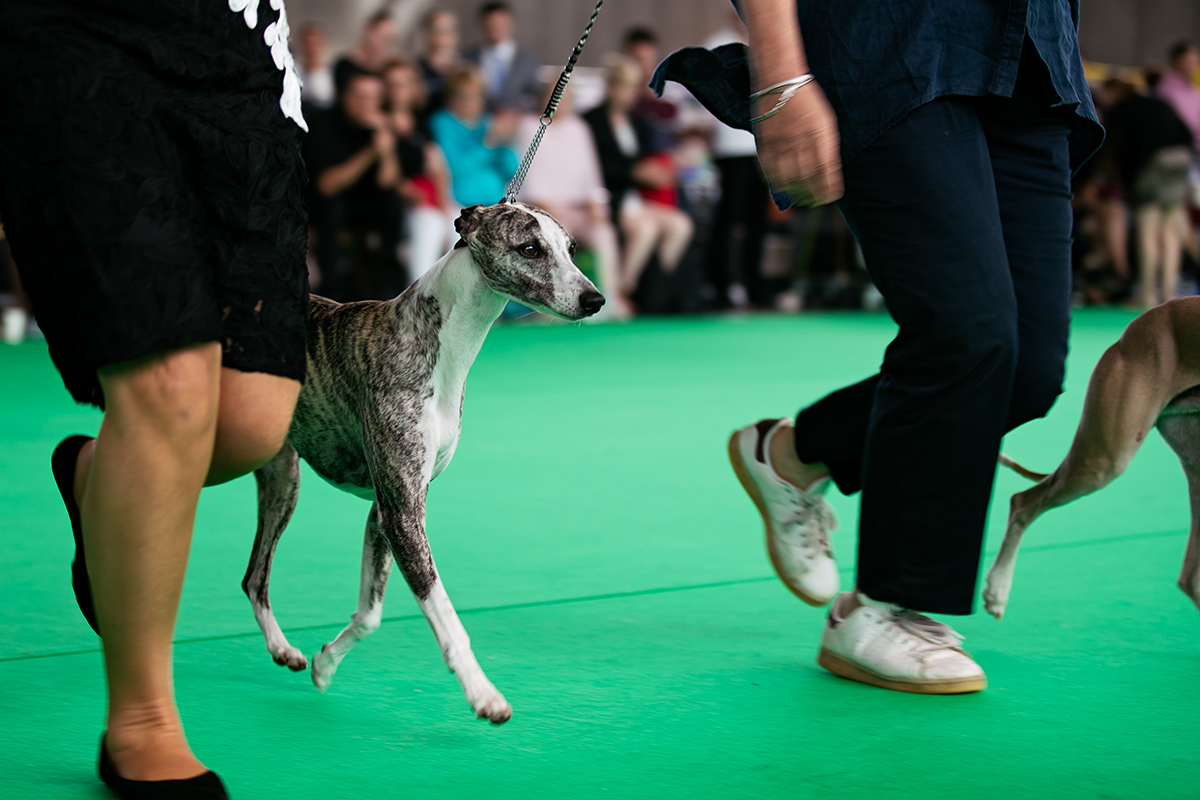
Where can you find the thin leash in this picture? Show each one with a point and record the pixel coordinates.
(514, 186)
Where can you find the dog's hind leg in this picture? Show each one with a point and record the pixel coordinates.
(1154, 360)
(376, 567)
(278, 487)
(1182, 433)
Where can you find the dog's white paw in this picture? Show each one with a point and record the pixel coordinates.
(489, 704)
(324, 665)
(290, 657)
(995, 597)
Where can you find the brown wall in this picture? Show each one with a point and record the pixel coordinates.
(1132, 32)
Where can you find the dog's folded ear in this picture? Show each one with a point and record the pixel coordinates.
(468, 220)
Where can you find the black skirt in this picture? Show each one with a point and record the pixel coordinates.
(151, 183)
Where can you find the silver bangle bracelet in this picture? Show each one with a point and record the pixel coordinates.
(786, 89)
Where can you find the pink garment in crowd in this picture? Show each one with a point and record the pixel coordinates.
(1184, 97)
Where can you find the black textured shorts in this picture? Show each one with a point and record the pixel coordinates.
(151, 183)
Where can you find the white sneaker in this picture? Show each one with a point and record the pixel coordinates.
(797, 522)
(893, 648)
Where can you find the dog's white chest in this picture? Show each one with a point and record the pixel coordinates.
(447, 427)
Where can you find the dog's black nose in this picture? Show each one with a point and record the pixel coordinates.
(591, 301)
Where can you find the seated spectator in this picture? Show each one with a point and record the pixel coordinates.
(439, 53)
(1152, 150)
(354, 172)
(372, 51)
(639, 178)
(565, 180)
(509, 70)
(424, 181)
(476, 144)
(316, 78)
(733, 262)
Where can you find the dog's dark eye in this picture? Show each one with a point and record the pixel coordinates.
(571, 249)
(531, 251)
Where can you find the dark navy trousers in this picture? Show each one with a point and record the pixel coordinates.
(963, 213)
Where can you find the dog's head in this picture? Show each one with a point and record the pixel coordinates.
(527, 256)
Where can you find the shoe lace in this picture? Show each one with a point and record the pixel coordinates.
(936, 633)
(811, 519)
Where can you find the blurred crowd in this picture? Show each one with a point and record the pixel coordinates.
(1137, 203)
(668, 205)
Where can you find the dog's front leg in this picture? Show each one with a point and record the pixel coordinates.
(278, 487)
(376, 567)
(404, 529)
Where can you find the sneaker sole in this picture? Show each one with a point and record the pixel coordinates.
(748, 483)
(844, 667)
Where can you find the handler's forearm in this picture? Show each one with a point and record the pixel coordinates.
(776, 49)
(344, 175)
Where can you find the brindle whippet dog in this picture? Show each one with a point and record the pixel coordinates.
(379, 416)
(1150, 377)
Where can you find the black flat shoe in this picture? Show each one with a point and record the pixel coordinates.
(63, 464)
(205, 786)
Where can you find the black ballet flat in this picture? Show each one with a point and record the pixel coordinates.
(205, 786)
(63, 465)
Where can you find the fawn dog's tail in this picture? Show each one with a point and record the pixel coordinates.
(1017, 468)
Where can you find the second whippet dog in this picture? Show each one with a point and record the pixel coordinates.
(379, 416)
(1150, 377)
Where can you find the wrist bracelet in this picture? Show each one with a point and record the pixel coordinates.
(786, 89)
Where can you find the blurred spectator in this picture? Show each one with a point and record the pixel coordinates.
(509, 70)
(1178, 87)
(565, 180)
(475, 143)
(439, 53)
(316, 78)
(424, 182)
(351, 157)
(371, 52)
(661, 114)
(1152, 150)
(640, 180)
(735, 273)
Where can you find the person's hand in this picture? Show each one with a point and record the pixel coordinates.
(503, 127)
(384, 141)
(799, 147)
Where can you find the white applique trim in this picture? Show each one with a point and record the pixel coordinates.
(248, 9)
(276, 38)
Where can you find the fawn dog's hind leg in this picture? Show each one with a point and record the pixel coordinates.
(278, 487)
(1150, 364)
(376, 567)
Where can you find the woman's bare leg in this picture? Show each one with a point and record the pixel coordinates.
(1149, 231)
(255, 414)
(1173, 224)
(641, 235)
(677, 229)
(132, 561)
(255, 411)
(138, 508)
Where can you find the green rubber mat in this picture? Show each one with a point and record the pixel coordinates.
(613, 579)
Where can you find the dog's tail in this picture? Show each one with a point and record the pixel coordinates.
(1017, 468)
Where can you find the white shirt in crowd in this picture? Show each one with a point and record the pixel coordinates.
(495, 61)
(317, 87)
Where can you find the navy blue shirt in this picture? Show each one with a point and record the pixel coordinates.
(877, 60)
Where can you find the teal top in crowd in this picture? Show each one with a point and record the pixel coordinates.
(478, 173)
(877, 60)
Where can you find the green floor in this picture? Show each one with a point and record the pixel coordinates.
(613, 579)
